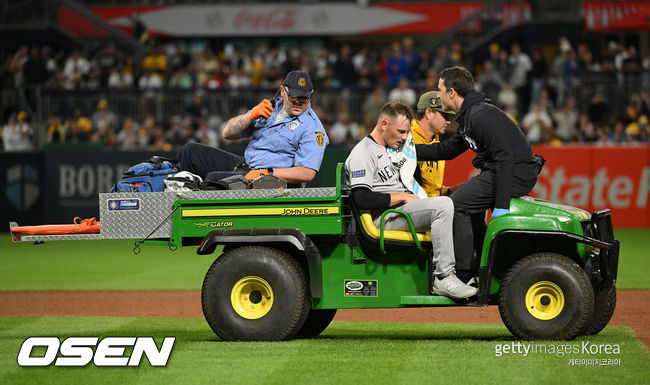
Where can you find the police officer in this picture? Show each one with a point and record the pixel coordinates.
(287, 141)
(504, 156)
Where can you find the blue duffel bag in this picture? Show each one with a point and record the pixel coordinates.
(147, 176)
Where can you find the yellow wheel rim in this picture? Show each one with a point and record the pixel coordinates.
(544, 300)
(251, 297)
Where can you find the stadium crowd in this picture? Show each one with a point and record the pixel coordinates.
(534, 90)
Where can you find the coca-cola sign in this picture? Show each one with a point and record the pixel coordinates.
(275, 19)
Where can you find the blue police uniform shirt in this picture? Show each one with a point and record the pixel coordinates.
(290, 142)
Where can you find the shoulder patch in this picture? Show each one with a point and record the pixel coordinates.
(358, 173)
(320, 137)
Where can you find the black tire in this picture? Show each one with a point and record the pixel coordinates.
(254, 293)
(604, 305)
(545, 296)
(317, 321)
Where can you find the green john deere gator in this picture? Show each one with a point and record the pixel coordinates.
(292, 257)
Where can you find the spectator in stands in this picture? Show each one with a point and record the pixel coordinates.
(139, 28)
(558, 69)
(35, 74)
(360, 59)
(120, 78)
(638, 129)
(587, 132)
(55, 130)
(538, 74)
(507, 99)
(607, 57)
(238, 79)
(207, 136)
(17, 65)
(107, 59)
(35, 69)
(76, 68)
(619, 136)
(156, 61)
(412, 58)
(598, 109)
(258, 67)
(177, 56)
(372, 105)
(519, 78)
(180, 79)
(74, 133)
(158, 140)
(145, 132)
(489, 81)
(344, 70)
(213, 79)
(537, 125)
(127, 138)
(396, 66)
(103, 119)
(151, 86)
(443, 58)
(403, 92)
(566, 120)
(197, 110)
(94, 79)
(17, 133)
(208, 63)
(343, 130)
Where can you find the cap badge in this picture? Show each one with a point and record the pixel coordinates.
(302, 82)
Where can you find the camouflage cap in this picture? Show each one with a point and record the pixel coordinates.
(431, 100)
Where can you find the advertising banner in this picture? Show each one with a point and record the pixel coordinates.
(616, 15)
(588, 177)
(318, 19)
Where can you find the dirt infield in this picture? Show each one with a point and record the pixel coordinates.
(632, 309)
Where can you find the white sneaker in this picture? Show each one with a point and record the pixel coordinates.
(451, 286)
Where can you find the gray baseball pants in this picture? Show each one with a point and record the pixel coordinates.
(435, 214)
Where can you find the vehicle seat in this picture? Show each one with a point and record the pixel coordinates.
(394, 235)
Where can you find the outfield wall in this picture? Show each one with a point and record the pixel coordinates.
(589, 177)
(56, 185)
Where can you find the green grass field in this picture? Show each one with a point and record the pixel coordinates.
(111, 265)
(347, 352)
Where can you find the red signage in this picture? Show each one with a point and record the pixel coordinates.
(616, 15)
(588, 177)
(283, 19)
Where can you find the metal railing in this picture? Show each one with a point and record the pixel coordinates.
(616, 87)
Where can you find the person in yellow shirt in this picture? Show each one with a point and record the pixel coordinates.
(431, 120)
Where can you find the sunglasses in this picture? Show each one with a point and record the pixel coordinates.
(297, 101)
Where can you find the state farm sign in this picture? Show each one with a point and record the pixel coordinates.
(599, 191)
(588, 177)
